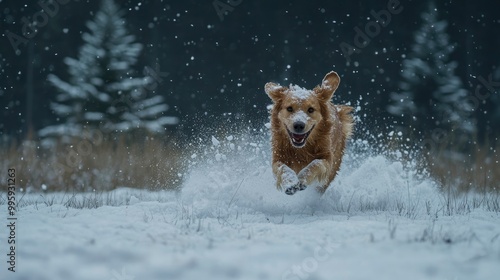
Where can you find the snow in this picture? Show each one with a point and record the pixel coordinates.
(380, 219)
(288, 176)
(215, 142)
(275, 87)
(153, 110)
(93, 116)
(300, 116)
(61, 130)
(167, 121)
(299, 92)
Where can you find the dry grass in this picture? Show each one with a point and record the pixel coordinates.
(459, 165)
(478, 171)
(94, 163)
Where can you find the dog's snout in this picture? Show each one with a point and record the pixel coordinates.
(299, 127)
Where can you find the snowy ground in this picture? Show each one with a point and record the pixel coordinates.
(379, 220)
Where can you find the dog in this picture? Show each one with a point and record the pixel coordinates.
(308, 134)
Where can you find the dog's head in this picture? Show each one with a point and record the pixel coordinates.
(299, 110)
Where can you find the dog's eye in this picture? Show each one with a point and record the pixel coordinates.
(289, 109)
(310, 110)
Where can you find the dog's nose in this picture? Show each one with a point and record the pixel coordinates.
(299, 127)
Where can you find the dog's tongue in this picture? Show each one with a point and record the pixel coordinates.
(299, 138)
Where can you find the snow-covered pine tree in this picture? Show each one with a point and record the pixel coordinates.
(102, 92)
(431, 95)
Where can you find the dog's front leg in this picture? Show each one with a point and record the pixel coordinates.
(286, 178)
(315, 172)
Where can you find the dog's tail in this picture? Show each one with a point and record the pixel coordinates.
(344, 113)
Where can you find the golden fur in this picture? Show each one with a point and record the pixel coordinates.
(317, 162)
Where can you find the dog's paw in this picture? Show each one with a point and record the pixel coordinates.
(293, 189)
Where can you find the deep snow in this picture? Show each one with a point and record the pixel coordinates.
(380, 219)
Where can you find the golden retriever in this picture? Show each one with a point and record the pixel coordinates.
(309, 134)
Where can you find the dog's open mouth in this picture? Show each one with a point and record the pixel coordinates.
(299, 139)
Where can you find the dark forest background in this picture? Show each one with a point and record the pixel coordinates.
(219, 64)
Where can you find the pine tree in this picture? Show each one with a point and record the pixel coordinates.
(102, 92)
(431, 95)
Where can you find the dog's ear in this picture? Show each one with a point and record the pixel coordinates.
(274, 91)
(329, 85)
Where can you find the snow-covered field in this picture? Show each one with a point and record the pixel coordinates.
(380, 219)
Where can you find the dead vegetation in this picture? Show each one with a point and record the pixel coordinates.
(478, 170)
(94, 163)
